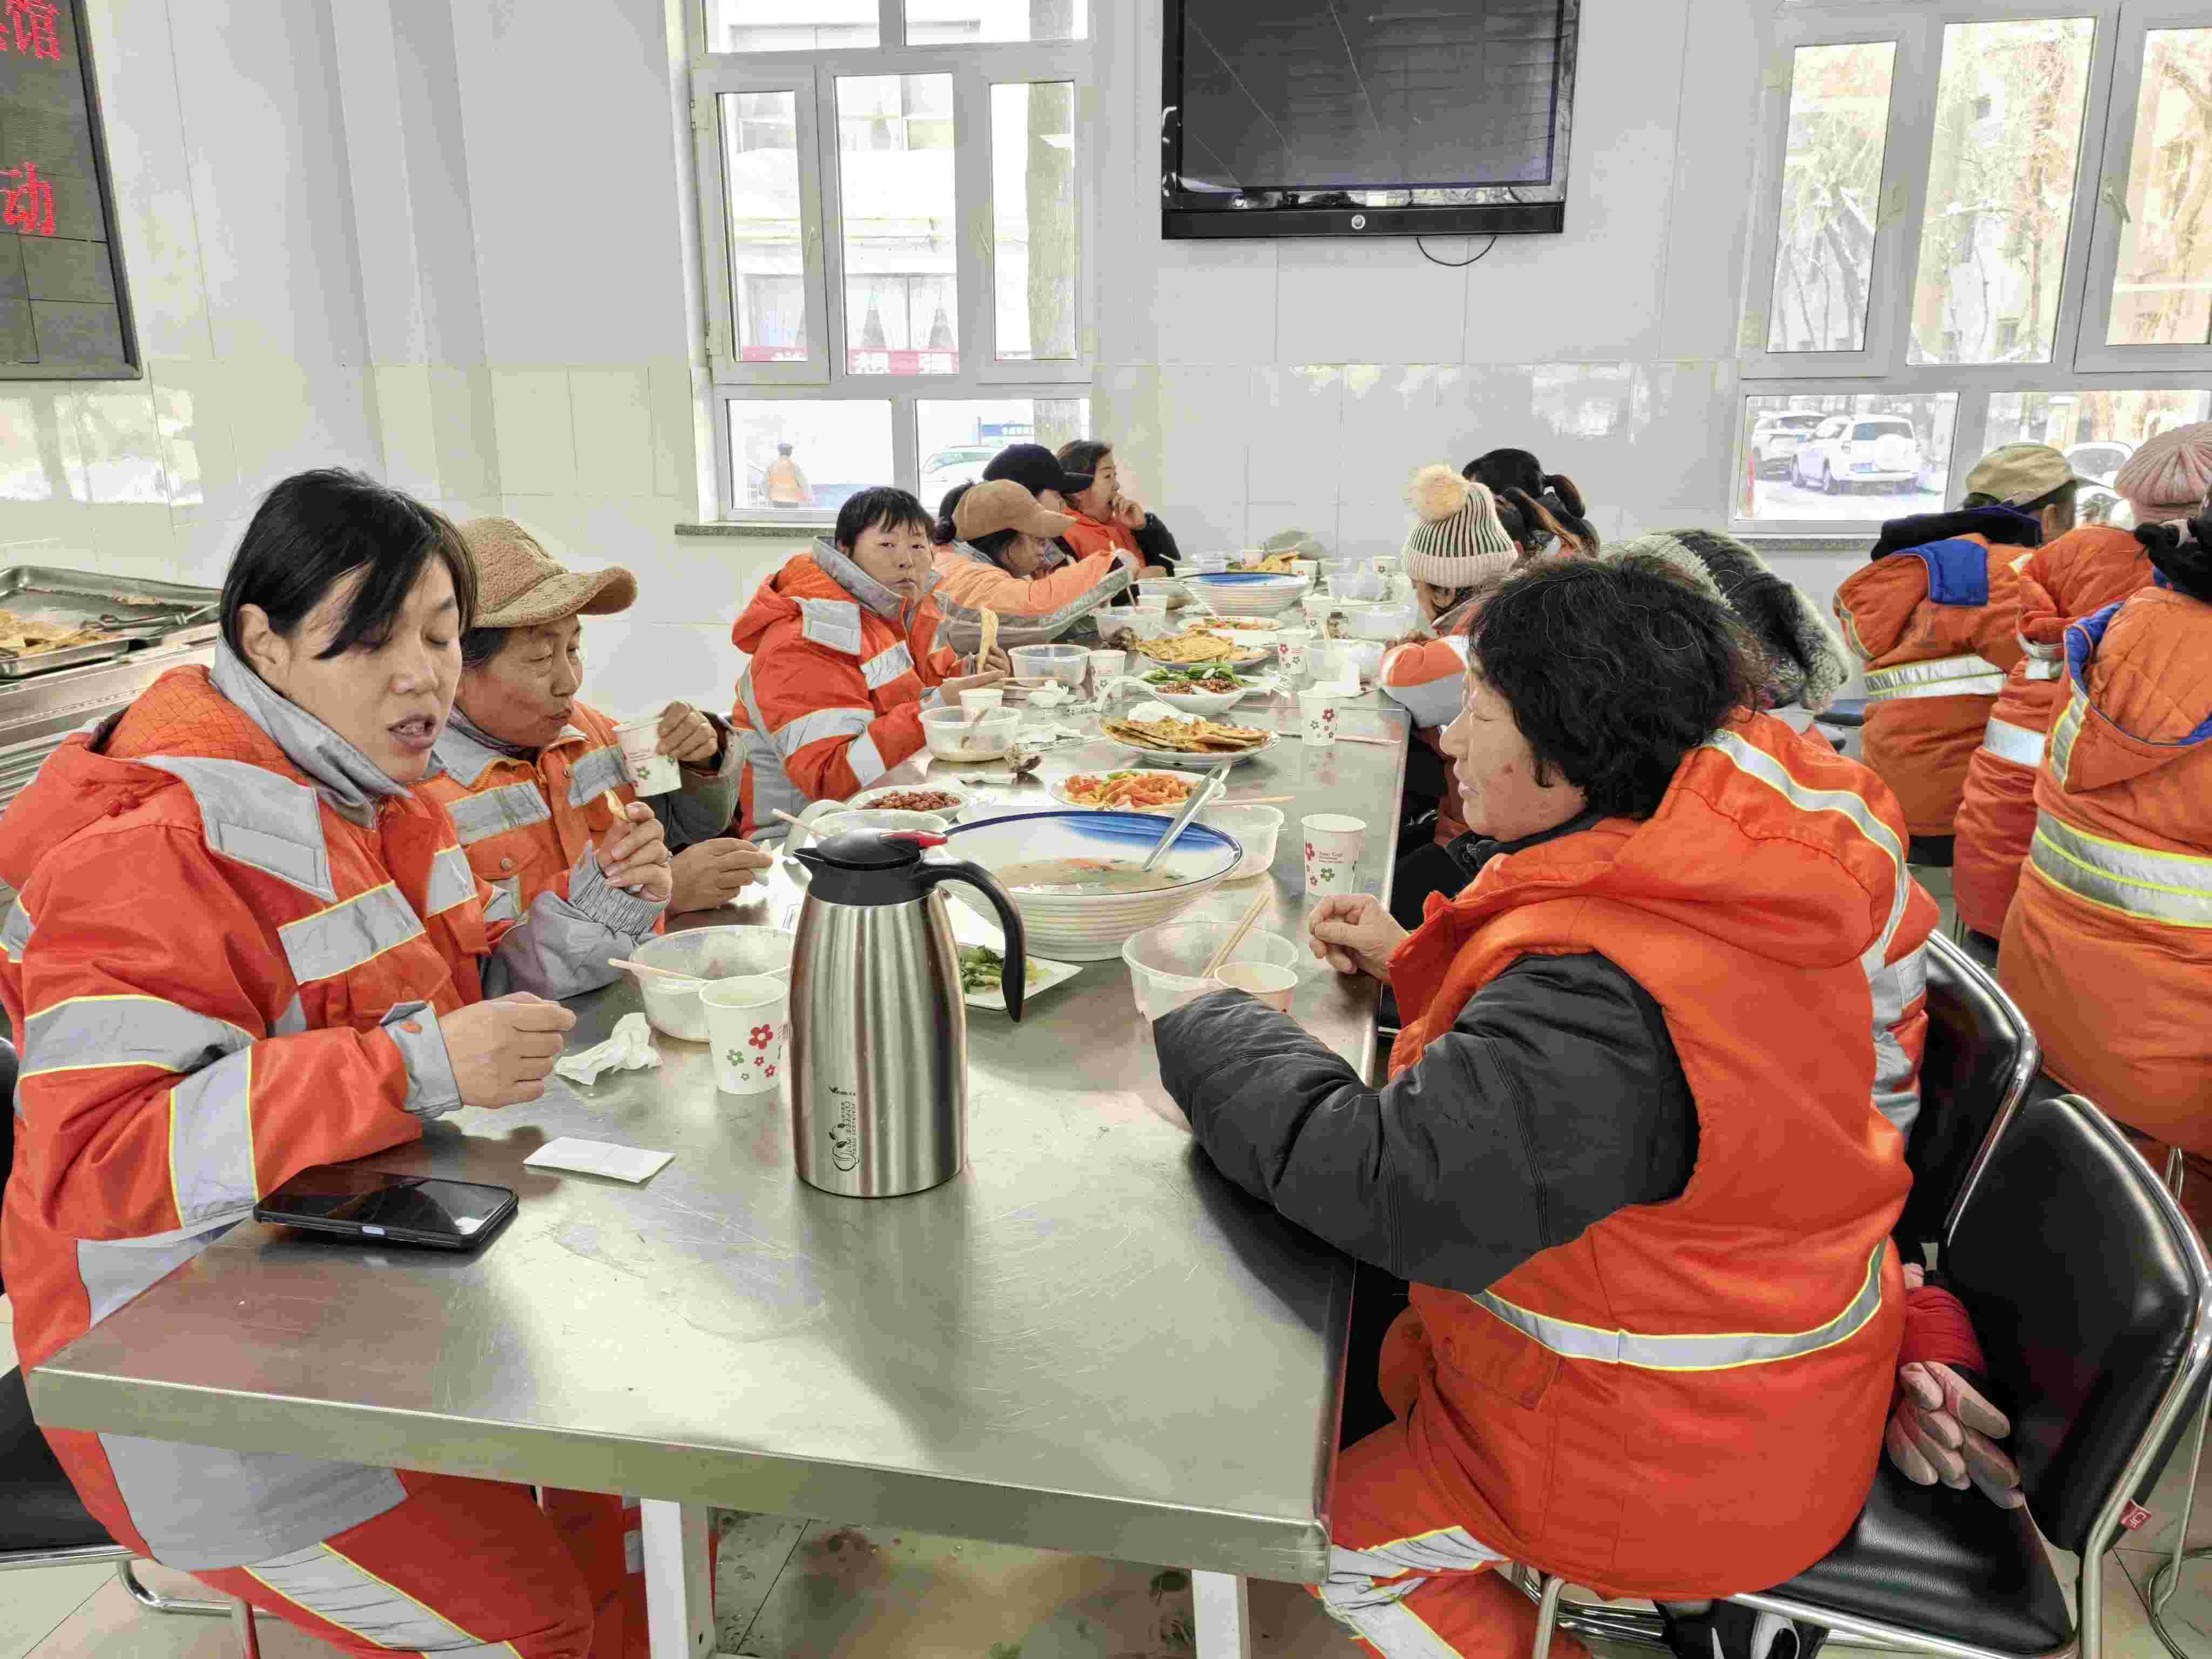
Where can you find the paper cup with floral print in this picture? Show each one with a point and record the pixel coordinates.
(748, 1022)
(1293, 646)
(1334, 843)
(1317, 716)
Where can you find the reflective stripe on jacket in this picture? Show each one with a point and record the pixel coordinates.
(1572, 1410)
(841, 669)
(1934, 627)
(230, 950)
(1032, 610)
(2108, 946)
(2079, 574)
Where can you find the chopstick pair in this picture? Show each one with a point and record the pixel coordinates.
(1237, 935)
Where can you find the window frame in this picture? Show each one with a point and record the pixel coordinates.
(812, 76)
(2078, 360)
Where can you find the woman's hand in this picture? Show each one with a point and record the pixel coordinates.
(1354, 934)
(993, 661)
(1131, 513)
(635, 859)
(688, 737)
(502, 1052)
(708, 876)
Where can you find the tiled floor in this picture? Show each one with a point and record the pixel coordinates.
(794, 1589)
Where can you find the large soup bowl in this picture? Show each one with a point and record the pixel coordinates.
(1093, 926)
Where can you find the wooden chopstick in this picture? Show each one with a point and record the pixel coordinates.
(1251, 915)
(1257, 800)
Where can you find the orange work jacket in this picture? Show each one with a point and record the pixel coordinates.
(1627, 1409)
(841, 671)
(1428, 677)
(2078, 574)
(1089, 537)
(1933, 626)
(2108, 946)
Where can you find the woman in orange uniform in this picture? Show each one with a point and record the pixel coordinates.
(2108, 946)
(1688, 958)
(1931, 618)
(1107, 520)
(1001, 553)
(2075, 576)
(245, 943)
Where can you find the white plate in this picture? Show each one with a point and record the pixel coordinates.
(968, 797)
(969, 930)
(1058, 790)
(1186, 763)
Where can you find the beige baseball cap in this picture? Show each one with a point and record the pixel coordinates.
(519, 585)
(1002, 504)
(2020, 473)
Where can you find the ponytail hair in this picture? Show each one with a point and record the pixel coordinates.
(2183, 560)
(1533, 526)
(942, 532)
(1561, 487)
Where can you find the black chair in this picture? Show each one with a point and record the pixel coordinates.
(2092, 1300)
(43, 1522)
(1980, 1062)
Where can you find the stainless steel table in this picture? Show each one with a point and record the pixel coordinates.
(1087, 1342)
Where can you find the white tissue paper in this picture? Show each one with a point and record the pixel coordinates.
(630, 1049)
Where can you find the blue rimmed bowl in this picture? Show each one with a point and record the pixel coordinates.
(1094, 927)
(1248, 592)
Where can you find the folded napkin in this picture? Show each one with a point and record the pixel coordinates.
(630, 1049)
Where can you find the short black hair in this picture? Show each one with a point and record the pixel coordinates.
(2067, 494)
(993, 543)
(881, 507)
(314, 530)
(1615, 671)
(2184, 560)
(1084, 454)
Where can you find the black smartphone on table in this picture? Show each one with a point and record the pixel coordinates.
(380, 1206)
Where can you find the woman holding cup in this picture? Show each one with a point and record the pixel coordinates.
(533, 774)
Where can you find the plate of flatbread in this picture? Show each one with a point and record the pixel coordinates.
(25, 637)
(1188, 742)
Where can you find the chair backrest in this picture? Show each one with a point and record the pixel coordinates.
(7, 1117)
(1980, 1060)
(2092, 1300)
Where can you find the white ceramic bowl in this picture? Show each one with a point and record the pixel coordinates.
(1207, 703)
(1383, 622)
(1237, 593)
(1093, 926)
(1255, 828)
(1167, 964)
(1067, 664)
(705, 953)
(951, 737)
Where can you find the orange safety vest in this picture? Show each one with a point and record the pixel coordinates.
(1934, 626)
(1688, 1400)
(524, 825)
(2108, 946)
(2080, 573)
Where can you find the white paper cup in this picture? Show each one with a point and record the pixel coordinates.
(981, 702)
(748, 1021)
(1317, 714)
(1334, 843)
(1106, 667)
(1386, 565)
(1292, 649)
(1262, 980)
(1310, 569)
(653, 772)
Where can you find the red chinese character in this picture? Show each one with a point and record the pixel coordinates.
(28, 205)
(32, 22)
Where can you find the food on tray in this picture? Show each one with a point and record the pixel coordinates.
(914, 800)
(26, 636)
(1082, 876)
(1195, 647)
(1127, 789)
(984, 969)
(1195, 679)
(1194, 736)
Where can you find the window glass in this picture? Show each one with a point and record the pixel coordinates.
(1036, 250)
(2008, 109)
(2098, 431)
(953, 22)
(789, 25)
(768, 270)
(894, 135)
(1875, 455)
(956, 438)
(2162, 291)
(790, 455)
(1830, 186)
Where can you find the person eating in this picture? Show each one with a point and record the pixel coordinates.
(245, 942)
(1105, 518)
(844, 657)
(532, 773)
(1686, 959)
(1004, 558)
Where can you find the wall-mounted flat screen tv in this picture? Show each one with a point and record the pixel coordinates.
(1366, 117)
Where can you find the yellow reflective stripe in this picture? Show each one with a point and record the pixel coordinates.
(2135, 881)
(2013, 742)
(493, 812)
(2063, 734)
(1716, 1353)
(452, 881)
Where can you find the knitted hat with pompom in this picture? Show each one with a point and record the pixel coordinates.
(1459, 542)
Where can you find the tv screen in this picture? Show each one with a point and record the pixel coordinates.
(1374, 118)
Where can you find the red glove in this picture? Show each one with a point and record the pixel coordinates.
(1940, 1427)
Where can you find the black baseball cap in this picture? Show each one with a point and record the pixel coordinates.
(1036, 469)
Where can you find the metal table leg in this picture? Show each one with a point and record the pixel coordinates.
(1225, 1616)
(679, 1599)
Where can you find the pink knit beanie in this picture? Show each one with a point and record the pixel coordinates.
(2170, 475)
